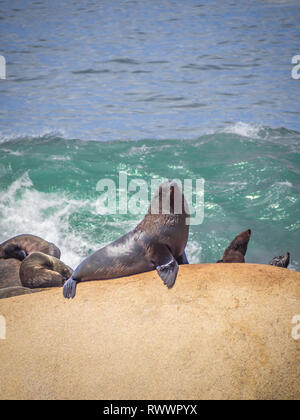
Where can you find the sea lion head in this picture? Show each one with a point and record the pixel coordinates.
(281, 261)
(237, 249)
(168, 199)
(51, 263)
(14, 251)
(65, 271)
(240, 242)
(42, 270)
(287, 259)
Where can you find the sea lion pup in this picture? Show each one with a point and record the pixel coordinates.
(12, 248)
(41, 270)
(235, 252)
(281, 261)
(9, 273)
(157, 242)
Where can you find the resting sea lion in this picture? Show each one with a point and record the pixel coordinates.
(22, 245)
(235, 252)
(7, 292)
(158, 242)
(281, 261)
(41, 270)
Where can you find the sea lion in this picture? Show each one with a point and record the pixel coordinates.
(9, 273)
(12, 248)
(12, 291)
(158, 242)
(7, 292)
(235, 252)
(281, 261)
(41, 270)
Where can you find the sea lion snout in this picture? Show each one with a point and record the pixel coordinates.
(23, 255)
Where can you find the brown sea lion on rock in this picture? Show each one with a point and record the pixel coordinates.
(7, 292)
(9, 272)
(41, 270)
(235, 252)
(22, 245)
(10, 283)
(158, 242)
(12, 291)
(281, 261)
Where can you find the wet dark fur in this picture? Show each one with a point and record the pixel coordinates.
(158, 242)
(236, 251)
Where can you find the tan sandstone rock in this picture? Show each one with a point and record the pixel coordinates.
(224, 331)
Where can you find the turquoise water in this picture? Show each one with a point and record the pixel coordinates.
(172, 89)
(252, 180)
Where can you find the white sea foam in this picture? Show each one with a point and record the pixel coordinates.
(60, 158)
(45, 133)
(193, 251)
(284, 184)
(23, 209)
(12, 152)
(244, 130)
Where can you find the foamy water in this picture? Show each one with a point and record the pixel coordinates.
(248, 184)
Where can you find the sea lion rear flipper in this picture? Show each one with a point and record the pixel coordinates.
(166, 265)
(182, 259)
(168, 273)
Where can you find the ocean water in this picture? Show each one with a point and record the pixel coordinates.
(155, 89)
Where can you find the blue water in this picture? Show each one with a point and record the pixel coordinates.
(183, 89)
(111, 70)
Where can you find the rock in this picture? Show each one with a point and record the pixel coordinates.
(7, 292)
(223, 332)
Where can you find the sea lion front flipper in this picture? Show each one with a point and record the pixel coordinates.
(166, 265)
(69, 289)
(182, 259)
(168, 273)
